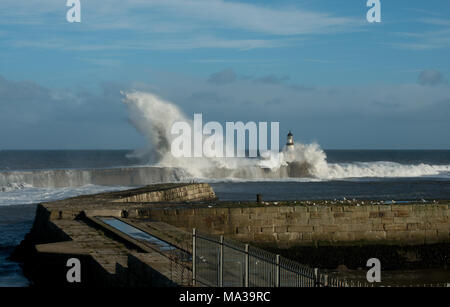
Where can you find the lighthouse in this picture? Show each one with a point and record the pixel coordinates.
(290, 141)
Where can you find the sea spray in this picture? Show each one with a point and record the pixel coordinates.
(154, 117)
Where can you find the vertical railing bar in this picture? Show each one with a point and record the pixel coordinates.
(246, 266)
(316, 278)
(277, 271)
(194, 263)
(221, 262)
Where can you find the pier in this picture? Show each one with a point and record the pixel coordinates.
(143, 237)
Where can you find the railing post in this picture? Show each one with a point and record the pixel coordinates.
(193, 256)
(277, 271)
(221, 262)
(316, 278)
(246, 266)
(325, 280)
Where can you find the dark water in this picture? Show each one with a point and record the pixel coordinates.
(15, 222)
(17, 219)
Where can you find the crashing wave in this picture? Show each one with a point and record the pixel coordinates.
(12, 186)
(153, 117)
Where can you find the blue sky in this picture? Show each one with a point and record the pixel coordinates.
(318, 67)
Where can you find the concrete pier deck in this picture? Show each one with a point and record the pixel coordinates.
(73, 228)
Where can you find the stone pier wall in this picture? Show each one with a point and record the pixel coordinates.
(308, 225)
(182, 193)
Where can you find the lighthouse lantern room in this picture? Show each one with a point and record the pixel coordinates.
(290, 141)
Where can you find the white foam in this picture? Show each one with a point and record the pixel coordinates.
(31, 195)
(384, 170)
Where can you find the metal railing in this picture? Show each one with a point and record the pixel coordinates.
(221, 262)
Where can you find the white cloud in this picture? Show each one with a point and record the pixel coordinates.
(162, 44)
(251, 17)
(171, 24)
(436, 38)
(436, 21)
(173, 15)
(427, 40)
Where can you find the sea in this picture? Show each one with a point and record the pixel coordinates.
(29, 177)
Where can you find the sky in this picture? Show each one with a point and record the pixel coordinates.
(318, 67)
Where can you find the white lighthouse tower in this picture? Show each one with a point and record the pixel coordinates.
(290, 141)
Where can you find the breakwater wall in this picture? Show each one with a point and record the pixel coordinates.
(125, 176)
(287, 226)
(173, 193)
